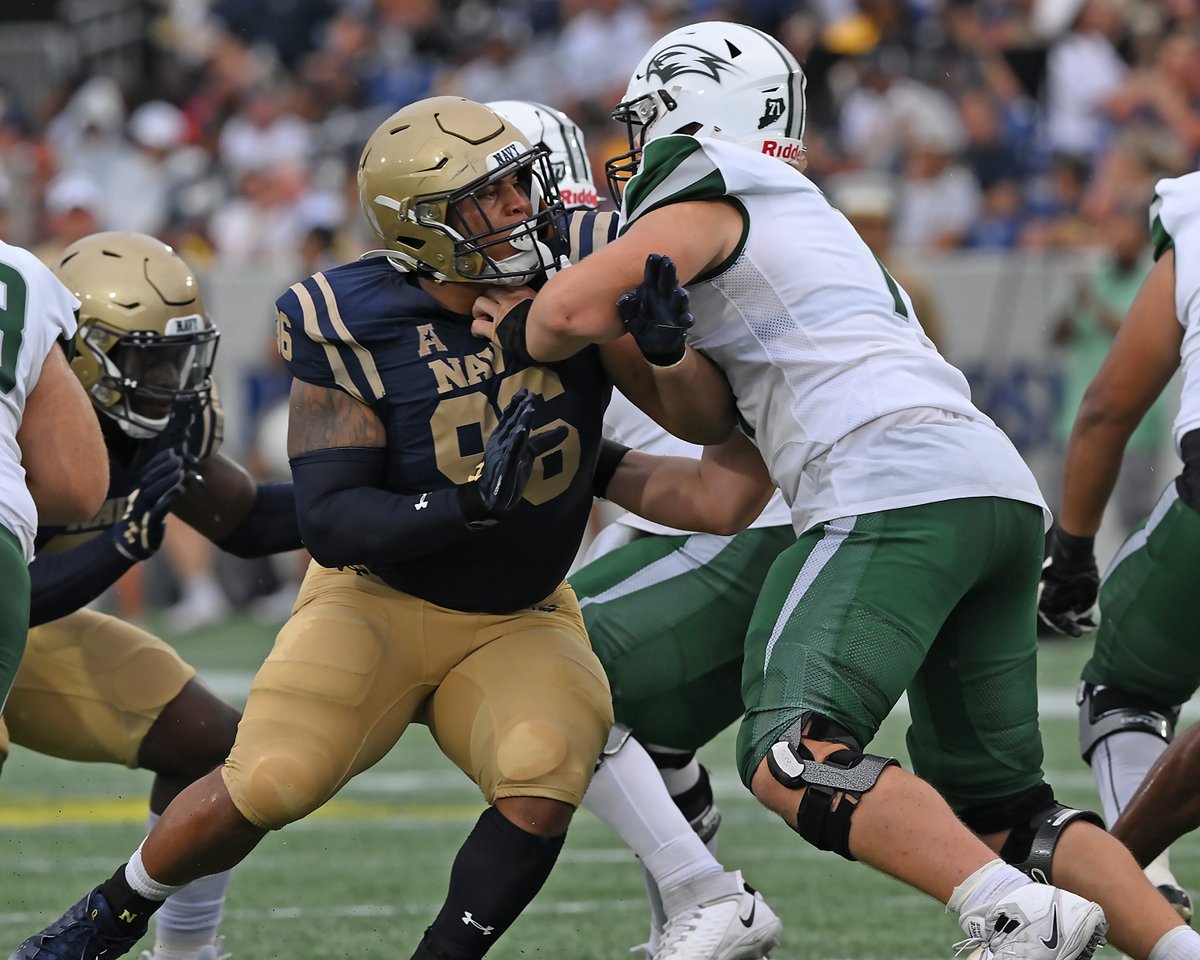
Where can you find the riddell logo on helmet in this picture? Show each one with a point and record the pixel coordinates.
(783, 151)
(582, 197)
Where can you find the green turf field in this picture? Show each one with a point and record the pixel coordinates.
(365, 875)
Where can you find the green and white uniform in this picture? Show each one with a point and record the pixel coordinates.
(35, 311)
(667, 610)
(1148, 605)
(921, 527)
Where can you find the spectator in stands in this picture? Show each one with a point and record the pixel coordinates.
(1085, 330)
(73, 209)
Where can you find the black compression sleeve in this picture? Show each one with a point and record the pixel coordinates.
(270, 527)
(347, 518)
(510, 331)
(62, 583)
(611, 455)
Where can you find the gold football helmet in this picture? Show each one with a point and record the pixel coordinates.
(144, 338)
(419, 179)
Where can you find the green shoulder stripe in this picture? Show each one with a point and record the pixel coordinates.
(674, 169)
(1159, 238)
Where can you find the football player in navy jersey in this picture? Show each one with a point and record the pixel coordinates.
(443, 487)
(94, 688)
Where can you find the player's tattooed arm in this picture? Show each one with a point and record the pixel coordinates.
(322, 418)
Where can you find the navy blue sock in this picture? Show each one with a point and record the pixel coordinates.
(131, 910)
(498, 870)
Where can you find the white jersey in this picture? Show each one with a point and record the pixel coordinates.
(626, 423)
(851, 405)
(1175, 222)
(35, 310)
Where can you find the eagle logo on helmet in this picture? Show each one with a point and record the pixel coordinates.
(683, 58)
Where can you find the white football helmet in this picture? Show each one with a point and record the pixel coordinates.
(721, 80)
(563, 138)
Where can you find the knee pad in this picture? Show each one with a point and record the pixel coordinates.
(699, 806)
(1104, 711)
(530, 751)
(1030, 846)
(832, 787)
(616, 740)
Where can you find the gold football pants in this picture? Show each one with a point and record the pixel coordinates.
(518, 701)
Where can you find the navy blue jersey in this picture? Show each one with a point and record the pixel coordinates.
(194, 430)
(370, 330)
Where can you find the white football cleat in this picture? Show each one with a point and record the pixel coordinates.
(208, 951)
(730, 921)
(1035, 922)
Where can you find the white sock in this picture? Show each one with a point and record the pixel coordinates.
(985, 886)
(658, 913)
(1120, 763)
(1178, 943)
(190, 917)
(142, 883)
(629, 796)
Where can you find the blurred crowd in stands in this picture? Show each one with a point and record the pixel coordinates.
(981, 124)
(935, 125)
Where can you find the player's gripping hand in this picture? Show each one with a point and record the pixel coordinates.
(657, 314)
(139, 533)
(508, 458)
(1070, 585)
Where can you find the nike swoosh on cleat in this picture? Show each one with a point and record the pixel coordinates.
(1051, 942)
(746, 921)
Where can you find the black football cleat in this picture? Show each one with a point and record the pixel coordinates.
(88, 931)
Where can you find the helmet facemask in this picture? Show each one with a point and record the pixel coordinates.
(476, 253)
(145, 373)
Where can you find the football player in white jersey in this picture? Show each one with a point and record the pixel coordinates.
(53, 466)
(1146, 662)
(666, 610)
(886, 464)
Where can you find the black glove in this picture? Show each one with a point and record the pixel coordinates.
(139, 533)
(1070, 585)
(508, 457)
(657, 314)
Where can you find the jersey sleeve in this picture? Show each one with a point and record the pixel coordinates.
(318, 346)
(1176, 206)
(589, 230)
(1175, 225)
(36, 311)
(675, 169)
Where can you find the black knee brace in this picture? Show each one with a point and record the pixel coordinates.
(1030, 846)
(833, 786)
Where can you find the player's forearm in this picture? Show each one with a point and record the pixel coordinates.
(62, 583)
(555, 329)
(695, 400)
(1093, 461)
(271, 526)
(347, 518)
(684, 493)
